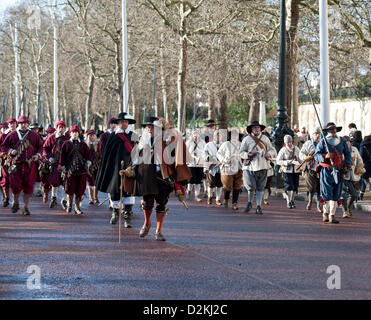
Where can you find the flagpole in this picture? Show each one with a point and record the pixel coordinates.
(324, 61)
(55, 98)
(125, 92)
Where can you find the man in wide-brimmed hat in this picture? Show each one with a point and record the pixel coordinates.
(74, 163)
(256, 151)
(331, 164)
(52, 147)
(117, 149)
(156, 175)
(24, 148)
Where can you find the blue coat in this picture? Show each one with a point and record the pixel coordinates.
(329, 189)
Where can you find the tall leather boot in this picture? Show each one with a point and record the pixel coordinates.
(15, 206)
(6, 197)
(78, 201)
(26, 202)
(115, 215)
(128, 211)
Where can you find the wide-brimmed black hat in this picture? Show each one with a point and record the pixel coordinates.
(332, 126)
(125, 116)
(34, 126)
(150, 121)
(254, 124)
(210, 123)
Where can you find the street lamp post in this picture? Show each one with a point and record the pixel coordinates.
(281, 128)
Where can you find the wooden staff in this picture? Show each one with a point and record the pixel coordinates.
(121, 204)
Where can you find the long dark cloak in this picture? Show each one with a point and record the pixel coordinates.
(108, 178)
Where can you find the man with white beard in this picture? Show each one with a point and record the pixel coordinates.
(332, 163)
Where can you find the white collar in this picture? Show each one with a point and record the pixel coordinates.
(19, 134)
(8, 131)
(78, 139)
(59, 136)
(119, 130)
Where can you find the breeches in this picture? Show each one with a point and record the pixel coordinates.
(76, 185)
(232, 182)
(255, 180)
(24, 178)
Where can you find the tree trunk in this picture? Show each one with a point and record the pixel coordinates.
(211, 114)
(49, 111)
(254, 106)
(222, 112)
(182, 71)
(293, 16)
(119, 76)
(135, 109)
(167, 115)
(89, 99)
(295, 91)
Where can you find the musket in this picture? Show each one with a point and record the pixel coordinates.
(305, 161)
(334, 174)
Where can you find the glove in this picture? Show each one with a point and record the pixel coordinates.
(14, 152)
(51, 160)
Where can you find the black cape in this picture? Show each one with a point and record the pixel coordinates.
(108, 178)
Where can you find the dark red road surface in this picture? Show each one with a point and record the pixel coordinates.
(211, 253)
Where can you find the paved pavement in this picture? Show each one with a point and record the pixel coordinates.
(210, 253)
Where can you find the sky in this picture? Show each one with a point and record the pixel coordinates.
(5, 3)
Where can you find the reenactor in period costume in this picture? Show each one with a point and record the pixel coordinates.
(256, 152)
(49, 132)
(4, 180)
(212, 169)
(231, 168)
(23, 147)
(91, 141)
(74, 164)
(51, 176)
(352, 179)
(288, 159)
(309, 166)
(196, 146)
(332, 163)
(37, 187)
(116, 150)
(104, 136)
(156, 172)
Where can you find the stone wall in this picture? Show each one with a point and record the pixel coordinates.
(342, 113)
